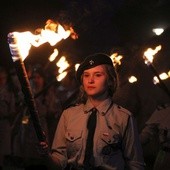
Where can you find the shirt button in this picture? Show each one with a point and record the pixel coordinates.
(103, 113)
(109, 141)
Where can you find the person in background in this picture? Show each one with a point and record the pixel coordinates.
(25, 141)
(7, 114)
(158, 126)
(45, 101)
(69, 87)
(96, 133)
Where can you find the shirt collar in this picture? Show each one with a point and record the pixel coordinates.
(102, 108)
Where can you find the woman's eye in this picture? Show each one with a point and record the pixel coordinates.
(85, 75)
(98, 75)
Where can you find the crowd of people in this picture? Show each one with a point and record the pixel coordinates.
(85, 126)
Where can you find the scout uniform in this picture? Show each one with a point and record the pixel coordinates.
(116, 144)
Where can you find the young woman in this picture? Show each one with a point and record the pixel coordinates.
(114, 142)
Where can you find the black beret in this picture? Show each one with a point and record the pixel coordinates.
(93, 61)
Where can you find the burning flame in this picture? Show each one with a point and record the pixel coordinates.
(52, 34)
(62, 64)
(132, 79)
(116, 58)
(53, 55)
(149, 53)
(76, 66)
(163, 76)
(169, 73)
(61, 76)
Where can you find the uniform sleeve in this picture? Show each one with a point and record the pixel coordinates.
(149, 131)
(151, 127)
(59, 155)
(132, 148)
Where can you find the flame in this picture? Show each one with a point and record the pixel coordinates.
(53, 55)
(169, 73)
(149, 53)
(116, 58)
(162, 76)
(52, 34)
(76, 66)
(132, 79)
(61, 76)
(62, 64)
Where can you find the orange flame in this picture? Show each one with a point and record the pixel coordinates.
(163, 76)
(61, 76)
(76, 66)
(63, 65)
(53, 56)
(116, 58)
(52, 34)
(149, 53)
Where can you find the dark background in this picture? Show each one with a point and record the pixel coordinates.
(123, 26)
(104, 25)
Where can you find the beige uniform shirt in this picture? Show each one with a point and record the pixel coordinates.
(116, 140)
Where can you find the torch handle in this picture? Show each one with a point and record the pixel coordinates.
(162, 85)
(26, 89)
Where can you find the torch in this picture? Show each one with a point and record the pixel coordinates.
(25, 84)
(20, 44)
(148, 58)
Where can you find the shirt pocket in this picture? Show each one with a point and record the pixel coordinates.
(73, 142)
(109, 143)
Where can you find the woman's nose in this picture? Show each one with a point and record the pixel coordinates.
(91, 79)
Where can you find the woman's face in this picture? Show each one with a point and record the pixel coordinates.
(95, 81)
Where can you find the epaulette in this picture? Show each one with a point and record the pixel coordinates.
(162, 106)
(122, 109)
(72, 105)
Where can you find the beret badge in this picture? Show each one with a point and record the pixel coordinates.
(91, 62)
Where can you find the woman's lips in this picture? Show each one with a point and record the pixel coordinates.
(90, 87)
